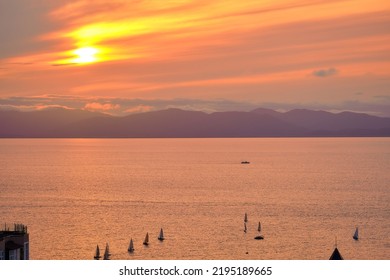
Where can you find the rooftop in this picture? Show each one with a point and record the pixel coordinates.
(14, 229)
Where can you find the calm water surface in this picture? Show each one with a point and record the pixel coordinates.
(76, 193)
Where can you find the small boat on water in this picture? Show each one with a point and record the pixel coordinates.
(161, 235)
(97, 254)
(146, 241)
(356, 235)
(107, 254)
(131, 246)
(259, 237)
(336, 253)
(245, 162)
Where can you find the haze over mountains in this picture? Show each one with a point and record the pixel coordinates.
(179, 123)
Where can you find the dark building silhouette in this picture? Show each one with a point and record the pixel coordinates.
(14, 243)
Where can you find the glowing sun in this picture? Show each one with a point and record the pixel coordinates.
(85, 55)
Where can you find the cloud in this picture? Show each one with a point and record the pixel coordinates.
(31, 108)
(121, 106)
(241, 58)
(25, 21)
(139, 109)
(95, 106)
(383, 97)
(124, 106)
(323, 73)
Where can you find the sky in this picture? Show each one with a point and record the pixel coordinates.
(129, 56)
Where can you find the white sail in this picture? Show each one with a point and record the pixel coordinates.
(161, 235)
(245, 218)
(356, 235)
(131, 246)
(146, 241)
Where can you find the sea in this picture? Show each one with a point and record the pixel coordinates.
(309, 194)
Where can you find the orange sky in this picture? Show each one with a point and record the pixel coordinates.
(122, 56)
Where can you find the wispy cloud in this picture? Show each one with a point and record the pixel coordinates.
(121, 106)
(31, 108)
(323, 73)
(96, 106)
(193, 54)
(139, 109)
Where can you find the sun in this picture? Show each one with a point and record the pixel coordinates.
(85, 55)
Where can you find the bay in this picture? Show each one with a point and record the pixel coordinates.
(76, 193)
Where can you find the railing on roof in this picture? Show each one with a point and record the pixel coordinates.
(14, 228)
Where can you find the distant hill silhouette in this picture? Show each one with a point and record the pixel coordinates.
(179, 123)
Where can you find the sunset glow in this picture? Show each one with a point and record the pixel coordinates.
(227, 132)
(85, 55)
(250, 53)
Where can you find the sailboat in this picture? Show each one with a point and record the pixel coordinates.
(131, 246)
(107, 254)
(245, 218)
(97, 254)
(161, 235)
(245, 229)
(356, 235)
(259, 237)
(146, 241)
(336, 253)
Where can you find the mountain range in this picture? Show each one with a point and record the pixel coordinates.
(179, 123)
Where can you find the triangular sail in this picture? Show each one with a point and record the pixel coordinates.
(131, 246)
(356, 235)
(146, 241)
(107, 254)
(336, 255)
(97, 254)
(161, 235)
(259, 237)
